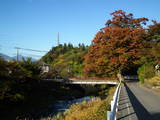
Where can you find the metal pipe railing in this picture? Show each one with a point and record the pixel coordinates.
(111, 115)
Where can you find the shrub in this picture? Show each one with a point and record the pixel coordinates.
(146, 71)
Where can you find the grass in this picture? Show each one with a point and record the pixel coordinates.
(92, 110)
(155, 81)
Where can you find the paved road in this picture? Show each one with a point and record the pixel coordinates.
(149, 101)
(145, 103)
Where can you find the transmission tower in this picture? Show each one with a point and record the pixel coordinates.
(58, 39)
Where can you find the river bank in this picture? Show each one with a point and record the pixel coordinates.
(94, 108)
(44, 96)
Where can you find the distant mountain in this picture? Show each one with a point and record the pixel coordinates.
(6, 57)
(20, 58)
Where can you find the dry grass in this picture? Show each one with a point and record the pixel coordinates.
(92, 110)
(153, 82)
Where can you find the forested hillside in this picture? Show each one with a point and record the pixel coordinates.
(66, 60)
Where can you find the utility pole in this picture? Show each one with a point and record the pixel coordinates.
(17, 52)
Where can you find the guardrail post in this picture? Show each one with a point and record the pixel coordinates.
(108, 115)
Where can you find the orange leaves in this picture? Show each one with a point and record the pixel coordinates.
(98, 37)
(120, 50)
(114, 60)
(121, 19)
(118, 13)
(117, 45)
(139, 21)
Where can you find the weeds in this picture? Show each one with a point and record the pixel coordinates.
(94, 109)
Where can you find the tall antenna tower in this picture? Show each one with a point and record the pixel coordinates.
(58, 39)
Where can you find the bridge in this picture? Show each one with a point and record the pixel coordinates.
(109, 81)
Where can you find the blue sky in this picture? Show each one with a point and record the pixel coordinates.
(34, 24)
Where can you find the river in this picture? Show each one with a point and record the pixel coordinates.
(63, 105)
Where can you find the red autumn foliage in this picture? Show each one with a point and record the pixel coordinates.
(116, 47)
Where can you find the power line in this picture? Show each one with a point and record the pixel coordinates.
(30, 49)
(27, 49)
(31, 55)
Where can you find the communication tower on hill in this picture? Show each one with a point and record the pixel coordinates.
(58, 39)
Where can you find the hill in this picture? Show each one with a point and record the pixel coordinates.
(66, 59)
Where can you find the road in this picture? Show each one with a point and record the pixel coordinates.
(142, 103)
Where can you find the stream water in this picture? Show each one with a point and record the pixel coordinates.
(61, 106)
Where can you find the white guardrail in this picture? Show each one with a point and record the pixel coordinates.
(111, 115)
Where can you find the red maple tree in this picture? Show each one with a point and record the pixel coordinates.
(116, 47)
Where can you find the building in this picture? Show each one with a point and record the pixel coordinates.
(45, 67)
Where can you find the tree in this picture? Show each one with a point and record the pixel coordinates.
(116, 47)
(17, 79)
(154, 32)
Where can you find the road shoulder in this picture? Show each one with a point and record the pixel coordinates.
(125, 108)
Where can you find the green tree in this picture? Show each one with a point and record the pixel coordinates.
(17, 79)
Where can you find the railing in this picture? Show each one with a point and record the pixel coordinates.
(111, 115)
(92, 82)
(93, 78)
(111, 82)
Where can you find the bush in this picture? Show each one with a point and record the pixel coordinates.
(146, 71)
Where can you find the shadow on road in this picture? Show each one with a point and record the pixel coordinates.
(124, 108)
(140, 111)
(156, 116)
(124, 117)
